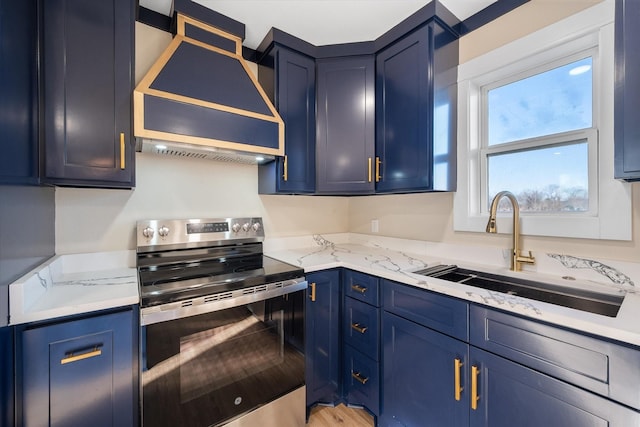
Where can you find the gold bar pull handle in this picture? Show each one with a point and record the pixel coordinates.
(359, 328)
(122, 153)
(358, 377)
(313, 292)
(457, 367)
(369, 175)
(285, 168)
(378, 163)
(474, 387)
(359, 289)
(71, 357)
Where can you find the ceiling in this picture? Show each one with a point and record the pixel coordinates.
(321, 22)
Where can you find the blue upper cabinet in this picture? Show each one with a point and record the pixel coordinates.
(19, 89)
(87, 78)
(627, 91)
(346, 125)
(415, 112)
(289, 78)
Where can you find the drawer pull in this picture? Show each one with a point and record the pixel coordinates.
(359, 377)
(357, 327)
(70, 357)
(474, 387)
(358, 288)
(457, 366)
(313, 292)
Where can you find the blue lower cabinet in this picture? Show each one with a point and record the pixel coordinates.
(420, 376)
(509, 394)
(79, 372)
(361, 380)
(322, 337)
(6, 376)
(361, 327)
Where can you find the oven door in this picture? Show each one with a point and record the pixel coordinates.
(210, 368)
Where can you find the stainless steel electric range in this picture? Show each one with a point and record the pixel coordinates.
(222, 325)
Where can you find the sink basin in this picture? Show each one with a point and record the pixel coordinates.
(593, 302)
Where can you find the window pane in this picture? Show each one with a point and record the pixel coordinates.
(548, 179)
(558, 100)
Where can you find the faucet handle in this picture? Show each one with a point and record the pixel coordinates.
(526, 259)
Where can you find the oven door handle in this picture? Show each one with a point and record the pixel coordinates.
(216, 302)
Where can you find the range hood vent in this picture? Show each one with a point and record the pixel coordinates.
(201, 96)
(188, 151)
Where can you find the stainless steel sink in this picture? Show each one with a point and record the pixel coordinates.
(593, 302)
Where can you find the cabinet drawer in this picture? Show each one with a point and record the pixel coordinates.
(438, 312)
(361, 380)
(361, 324)
(362, 287)
(603, 367)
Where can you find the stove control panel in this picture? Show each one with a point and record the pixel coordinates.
(197, 232)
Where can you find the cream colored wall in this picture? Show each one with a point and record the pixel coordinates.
(93, 220)
(523, 20)
(429, 216)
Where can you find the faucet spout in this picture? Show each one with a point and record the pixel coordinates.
(516, 259)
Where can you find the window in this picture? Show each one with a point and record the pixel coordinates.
(536, 119)
(538, 132)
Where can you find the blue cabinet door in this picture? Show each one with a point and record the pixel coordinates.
(419, 376)
(290, 80)
(322, 349)
(79, 373)
(627, 91)
(19, 92)
(415, 112)
(6, 376)
(346, 125)
(509, 394)
(87, 51)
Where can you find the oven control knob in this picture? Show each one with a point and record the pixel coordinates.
(246, 226)
(148, 232)
(256, 226)
(163, 231)
(235, 227)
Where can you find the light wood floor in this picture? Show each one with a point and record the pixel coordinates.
(326, 416)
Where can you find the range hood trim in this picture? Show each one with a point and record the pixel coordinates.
(144, 89)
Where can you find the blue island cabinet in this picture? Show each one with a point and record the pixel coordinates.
(322, 338)
(289, 79)
(87, 85)
(80, 372)
(345, 125)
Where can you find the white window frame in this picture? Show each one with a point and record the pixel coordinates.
(610, 211)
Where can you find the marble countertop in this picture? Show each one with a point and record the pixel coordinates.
(74, 284)
(397, 259)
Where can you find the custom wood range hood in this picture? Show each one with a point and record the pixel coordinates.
(201, 100)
